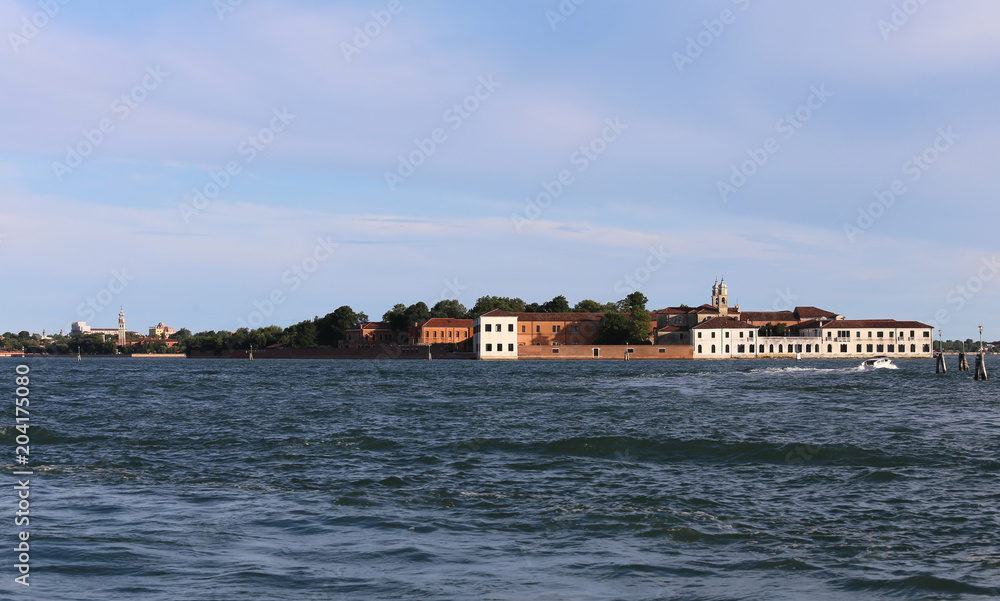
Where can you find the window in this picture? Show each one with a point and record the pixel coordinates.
(911, 334)
(859, 348)
(749, 334)
(555, 351)
(556, 329)
(597, 352)
(892, 348)
(713, 334)
(913, 348)
(879, 349)
(727, 348)
(741, 334)
(489, 327)
(538, 329)
(829, 347)
(879, 334)
(574, 328)
(510, 327)
(663, 350)
(781, 348)
(869, 348)
(489, 347)
(510, 348)
(499, 327)
(713, 348)
(741, 348)
(859, 335)
(843, 348)
(699, 348)
(762, 348)
(699, 334)
(927, 348)
(809, 348)
(869, 334)
(772, 349)
(522, 328)
(726, 334)
(927, 335)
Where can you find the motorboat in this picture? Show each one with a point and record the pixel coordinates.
(877, 363)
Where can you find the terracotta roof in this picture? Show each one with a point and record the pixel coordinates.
(446, 322)
(498, 313)
(559, 316)
(668, 329)
(717, 323)
(771, 316)
(874, 323)
(813, 313)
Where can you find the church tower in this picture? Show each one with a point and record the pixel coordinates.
(121, 327)
(720, 296)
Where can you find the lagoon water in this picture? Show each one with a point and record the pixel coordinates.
(222, 479)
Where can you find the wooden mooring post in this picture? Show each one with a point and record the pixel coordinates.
(963, 362)
(981, 367)
(942, 368)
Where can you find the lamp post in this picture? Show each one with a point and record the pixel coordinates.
(940, 343)
(980, 339)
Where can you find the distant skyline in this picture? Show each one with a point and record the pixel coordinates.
(194, 161)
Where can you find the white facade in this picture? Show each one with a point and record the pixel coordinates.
(494, 335)
(724, 338)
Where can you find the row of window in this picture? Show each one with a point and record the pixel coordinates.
(847, 334)
(434, 334)
(510, 348)
(749, 334)
(811, 348)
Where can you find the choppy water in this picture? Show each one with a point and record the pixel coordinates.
(214, 479)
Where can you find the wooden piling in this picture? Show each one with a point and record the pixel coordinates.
(963, 362)
(942, 368)
(981, 367)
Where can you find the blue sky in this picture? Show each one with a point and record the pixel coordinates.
(267, 162)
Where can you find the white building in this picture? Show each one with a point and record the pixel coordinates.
(494, 335)
(724, 338)
(867, 337)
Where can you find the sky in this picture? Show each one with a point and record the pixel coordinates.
(227, 163)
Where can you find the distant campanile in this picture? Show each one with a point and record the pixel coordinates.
(121, 327)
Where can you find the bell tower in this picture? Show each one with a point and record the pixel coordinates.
(720, 296)
(121, 327)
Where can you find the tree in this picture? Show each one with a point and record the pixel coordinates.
(588, 306)
(416, 313)
(333, 327)
(614, 329)
(181, 334)
(640, 327)
(485, 304)
(558, 304)
(450, 309)
(303, 334)
(534, 308)
(396, 317)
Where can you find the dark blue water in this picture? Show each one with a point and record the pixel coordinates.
(215, 479)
